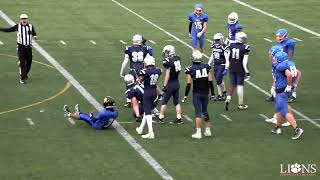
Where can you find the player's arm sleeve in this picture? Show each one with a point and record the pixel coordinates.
(11, 29)
(188, 87)
(190, 27)
(125, 62)
(291, 48)
(210, 83)
(245, 63)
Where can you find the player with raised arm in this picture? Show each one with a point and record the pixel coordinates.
(171, 85)
(199, 20)
(200, 76)
(136, 54)
(218, 62)
(233, 27)
(149, 77)
(237, 66)
(284, 75)
(102, 120)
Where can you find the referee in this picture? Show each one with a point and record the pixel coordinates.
(25, 33)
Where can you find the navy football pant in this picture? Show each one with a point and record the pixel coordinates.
(237, 78)
(149, 100)
(172, 90)
(200, 103)
(217, 71)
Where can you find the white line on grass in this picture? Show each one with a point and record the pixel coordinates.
(263, 116)
(71, 121)
(297, 39)
(187, 118)
(313, 37)
(186, 44)
(1, 43)
(124, 122)
(93, 42)
(266, 39)
(29, 120)
(226, 117)
(122, 41)
(133, 143)
(62, 42)
(152, 42)
(209, 41)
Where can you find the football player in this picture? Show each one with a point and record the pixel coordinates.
(237, 65)
(102, 120)
(233, 27)
(218, 62)
(135, 94)
(288, 46)
(285, 72)
(199, 74)
(136, 55)
(199, 20)
(149, 77)
(171, 85)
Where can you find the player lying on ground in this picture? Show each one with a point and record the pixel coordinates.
(283, 88)
(102, 120)
(237, 65)
(200, 76)
(198, 23)
(171, 85)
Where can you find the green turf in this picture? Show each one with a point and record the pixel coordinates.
(55, 149)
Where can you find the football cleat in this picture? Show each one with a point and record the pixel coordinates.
(242, 107)
(65, 110)
(276, 130)
(227, 105)
(291, 99)
(271, 120)
(196, 135)
(176, 121)
(77, 108)
(270, 99)
(297, 133)
(139, 130)
(207, 132)
(148, 136)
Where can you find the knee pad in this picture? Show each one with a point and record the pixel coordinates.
(206, 117)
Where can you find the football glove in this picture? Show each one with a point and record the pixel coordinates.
(288, 89)
(184, 99)
(247, 77)
(225, 72)
(199, 34)
(164, 88)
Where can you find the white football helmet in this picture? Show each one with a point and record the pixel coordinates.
(150, 61)
(137, 39)
(233, 18)
(129, 79)
(168, 51)
(197, 56)
(218, 38)
(241, 37)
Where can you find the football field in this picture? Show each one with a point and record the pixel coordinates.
(88, 38)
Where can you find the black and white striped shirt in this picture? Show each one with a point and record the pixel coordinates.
(24, 33)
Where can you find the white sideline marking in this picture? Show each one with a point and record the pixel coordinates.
(122, 122)
(249, 82)
(209, 41)
(71, 121)
(306, 119)
(226, 117)
(62, 42)
(152, 42)
(1, 43)
(132, 142)
(315, 37)
(30, 121)
(122, 41)
(297, 39)
(278, 18)
(267, 39)
(187, 118)
(263, 116)
(93, 42)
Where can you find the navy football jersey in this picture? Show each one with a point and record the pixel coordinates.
(135, 91)
(237, 51)
(151, 76)
(136, 55)
(174, 63)
(199, 73)
(218, 53)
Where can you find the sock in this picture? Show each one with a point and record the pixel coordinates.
(207, 129)
(143, 123)
(198, 131)
(294, 94)
(128, 100)
(272, 91)
(219, 89)
(179, 116)
(228, 98)
(240, 94)
(69, 113)
(223, 87)
(149, 123)
(161, 116)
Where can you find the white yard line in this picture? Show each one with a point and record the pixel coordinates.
(226, 117)
(210, 41)
(93, 42)
(187, 118)
(124, 122)
(264, 116)
(123, 42)
(152, 42)
(266, 39)
(132, 142)
(188, 45)
(315, 37)
(1, 43)
(297, 39)
(62, 42)
(29, 120)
